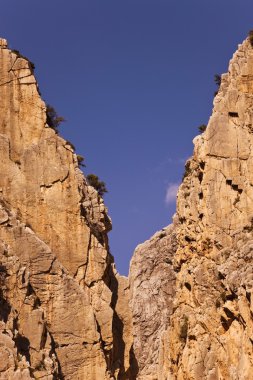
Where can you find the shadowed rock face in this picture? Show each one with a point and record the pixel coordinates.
(58, 286)
(206, 332)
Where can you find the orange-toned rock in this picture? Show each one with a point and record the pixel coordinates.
(56, 294)
(209, 325)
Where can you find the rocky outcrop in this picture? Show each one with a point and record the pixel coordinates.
(152, 287)
(208, 331)
(58, 287)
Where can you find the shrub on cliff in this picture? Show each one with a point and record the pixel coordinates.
(187, 169)
(80, 160)
(217, 79)
(202, 128)
(250, 35)
(53, 119)
(94, 181)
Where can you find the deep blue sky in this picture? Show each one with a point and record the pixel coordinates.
(134, 80)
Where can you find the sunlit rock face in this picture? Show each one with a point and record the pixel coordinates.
(202, 328)
(59, 291)
(65, 313)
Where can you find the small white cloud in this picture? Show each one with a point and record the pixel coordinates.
(171, 193)
(183, 160)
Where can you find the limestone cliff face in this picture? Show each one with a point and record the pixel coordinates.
(59, 311)
(64, 309)
(206, 264)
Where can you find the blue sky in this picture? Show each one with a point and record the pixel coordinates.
(134, 80)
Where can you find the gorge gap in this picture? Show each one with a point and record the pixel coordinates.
(185, 312)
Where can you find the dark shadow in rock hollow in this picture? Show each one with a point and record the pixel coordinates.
(23, 346)
(5, 307)
(118, 354)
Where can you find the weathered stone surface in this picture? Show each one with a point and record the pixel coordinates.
(126, 365)
(208, 330)
(152, 284)
(57, 290)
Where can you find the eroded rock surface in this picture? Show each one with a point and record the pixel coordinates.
(208, 332)
(152, 290)
(58, 288)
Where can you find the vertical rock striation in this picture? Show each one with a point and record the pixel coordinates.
(152, 290)
(208, 332)
(58, 287)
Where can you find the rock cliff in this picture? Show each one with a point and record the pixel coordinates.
(196, 275)
(186, 311)
(60, 312)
